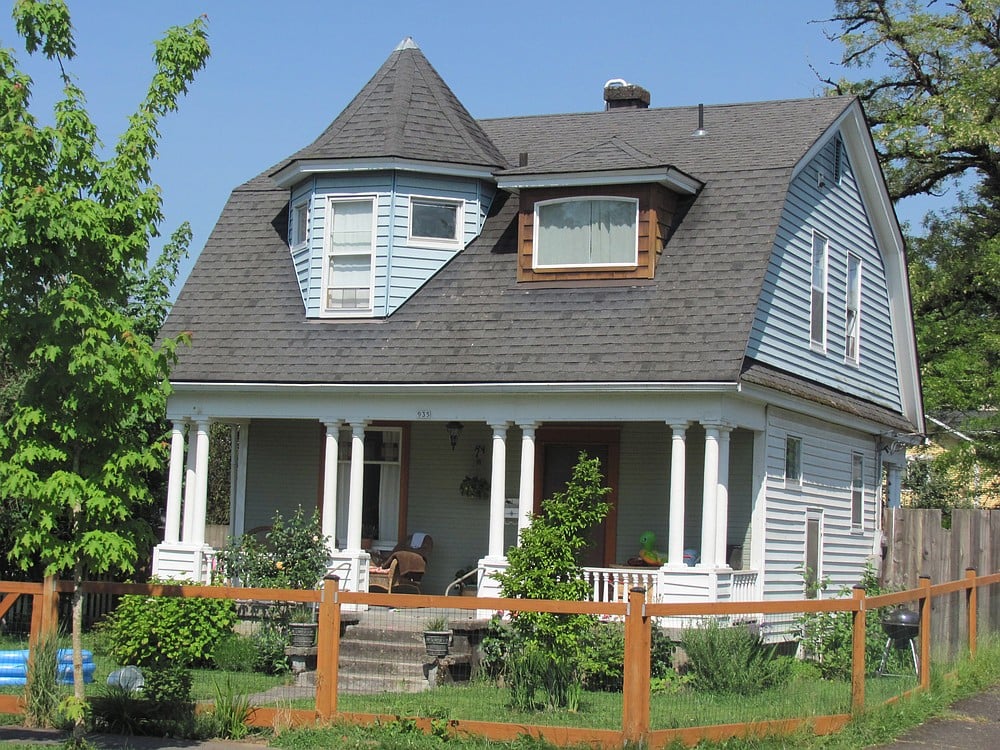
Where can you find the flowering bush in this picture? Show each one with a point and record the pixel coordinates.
(294, 555)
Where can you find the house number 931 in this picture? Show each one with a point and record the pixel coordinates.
(423, 413)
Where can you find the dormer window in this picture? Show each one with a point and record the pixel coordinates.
(350, 249)
(298, 225)
(435, 222)
(580, 233)
(595, 232)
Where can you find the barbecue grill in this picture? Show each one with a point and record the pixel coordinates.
(901, 626)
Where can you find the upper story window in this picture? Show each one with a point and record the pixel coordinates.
(793, 459)
(593, 232)
(852, 344)
(857, 491)
(437, 222)
(817, 312)
(349, 253)
(298, 225)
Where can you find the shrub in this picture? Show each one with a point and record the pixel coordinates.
(732, 659)
(152, 630)
(602, 663)
(42, 693)
(269, 643)
(827, 637)
(546, 565)
(294, 555)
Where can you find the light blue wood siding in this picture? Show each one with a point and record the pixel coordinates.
(826, 487)
(780, 334)
(401, 266)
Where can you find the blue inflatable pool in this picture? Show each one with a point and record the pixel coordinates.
(14, 666)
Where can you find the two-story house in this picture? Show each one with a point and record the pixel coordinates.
(711, 300)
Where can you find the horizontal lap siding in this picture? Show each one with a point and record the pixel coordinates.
(411, 264)
(780, 334)
(826, 486)
(283, 460)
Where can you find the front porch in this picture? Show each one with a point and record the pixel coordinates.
(695, 483)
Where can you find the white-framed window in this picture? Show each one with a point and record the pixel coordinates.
(817, 308)
(382, 482)
(793, 460)
(298, 224)
(593, 231)
(857, 491)
(435, 221)
(838, 163)
(852, 342)
(812, 566)
(349, 256)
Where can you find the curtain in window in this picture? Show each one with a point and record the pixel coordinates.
(388, 504)
(585, 232)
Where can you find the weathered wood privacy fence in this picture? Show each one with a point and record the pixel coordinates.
(639, 617)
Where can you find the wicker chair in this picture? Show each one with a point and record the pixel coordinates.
(382, 580)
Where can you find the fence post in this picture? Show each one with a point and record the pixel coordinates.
(635, 686)
(972, 607)
(328, 649)
(859, 640)
(925, 633)
(44, 612)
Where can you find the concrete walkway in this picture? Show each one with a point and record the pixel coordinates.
(970, 723)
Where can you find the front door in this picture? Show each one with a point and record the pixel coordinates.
(558, 450)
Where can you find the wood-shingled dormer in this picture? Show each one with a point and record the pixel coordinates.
(602, 213)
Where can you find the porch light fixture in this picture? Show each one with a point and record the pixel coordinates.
(454, 430)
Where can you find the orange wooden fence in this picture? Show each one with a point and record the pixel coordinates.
(637, 614)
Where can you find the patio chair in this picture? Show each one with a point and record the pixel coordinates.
(382, 579)
(409, 561)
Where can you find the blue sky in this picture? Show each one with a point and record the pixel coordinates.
(281, 72)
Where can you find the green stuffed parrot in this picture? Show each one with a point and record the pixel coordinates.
(646, 552)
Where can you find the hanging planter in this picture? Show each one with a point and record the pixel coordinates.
(475, 488)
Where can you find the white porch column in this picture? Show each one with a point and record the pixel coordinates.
(722, 499)
(190, 486)
(526, 491)
(355, 503)
(710, 494)
(172, 526)
(201, 488)
(331, 454)
(498, 490)
(675, 531)
(238, 480)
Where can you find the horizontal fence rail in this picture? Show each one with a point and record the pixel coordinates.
(380, 629)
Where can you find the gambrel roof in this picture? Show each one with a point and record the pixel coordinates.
(472, 322)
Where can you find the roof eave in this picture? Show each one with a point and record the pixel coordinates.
(669, 177)
(294, 171)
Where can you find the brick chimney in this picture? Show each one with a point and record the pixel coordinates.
(619, 94)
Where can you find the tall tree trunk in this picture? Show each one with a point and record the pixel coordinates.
(78, 687)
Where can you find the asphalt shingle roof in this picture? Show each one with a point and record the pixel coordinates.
(472, 322)
(405, 111)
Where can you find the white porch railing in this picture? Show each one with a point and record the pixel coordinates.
(613, 584)
(689, 584)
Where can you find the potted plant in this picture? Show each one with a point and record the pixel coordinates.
(301, 626)
(437, 637)
(474, 487)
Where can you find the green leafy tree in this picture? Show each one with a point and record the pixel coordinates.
(933, 111)
(78, 309)
(546, 565)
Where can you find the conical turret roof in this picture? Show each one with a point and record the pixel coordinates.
(406, 111)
